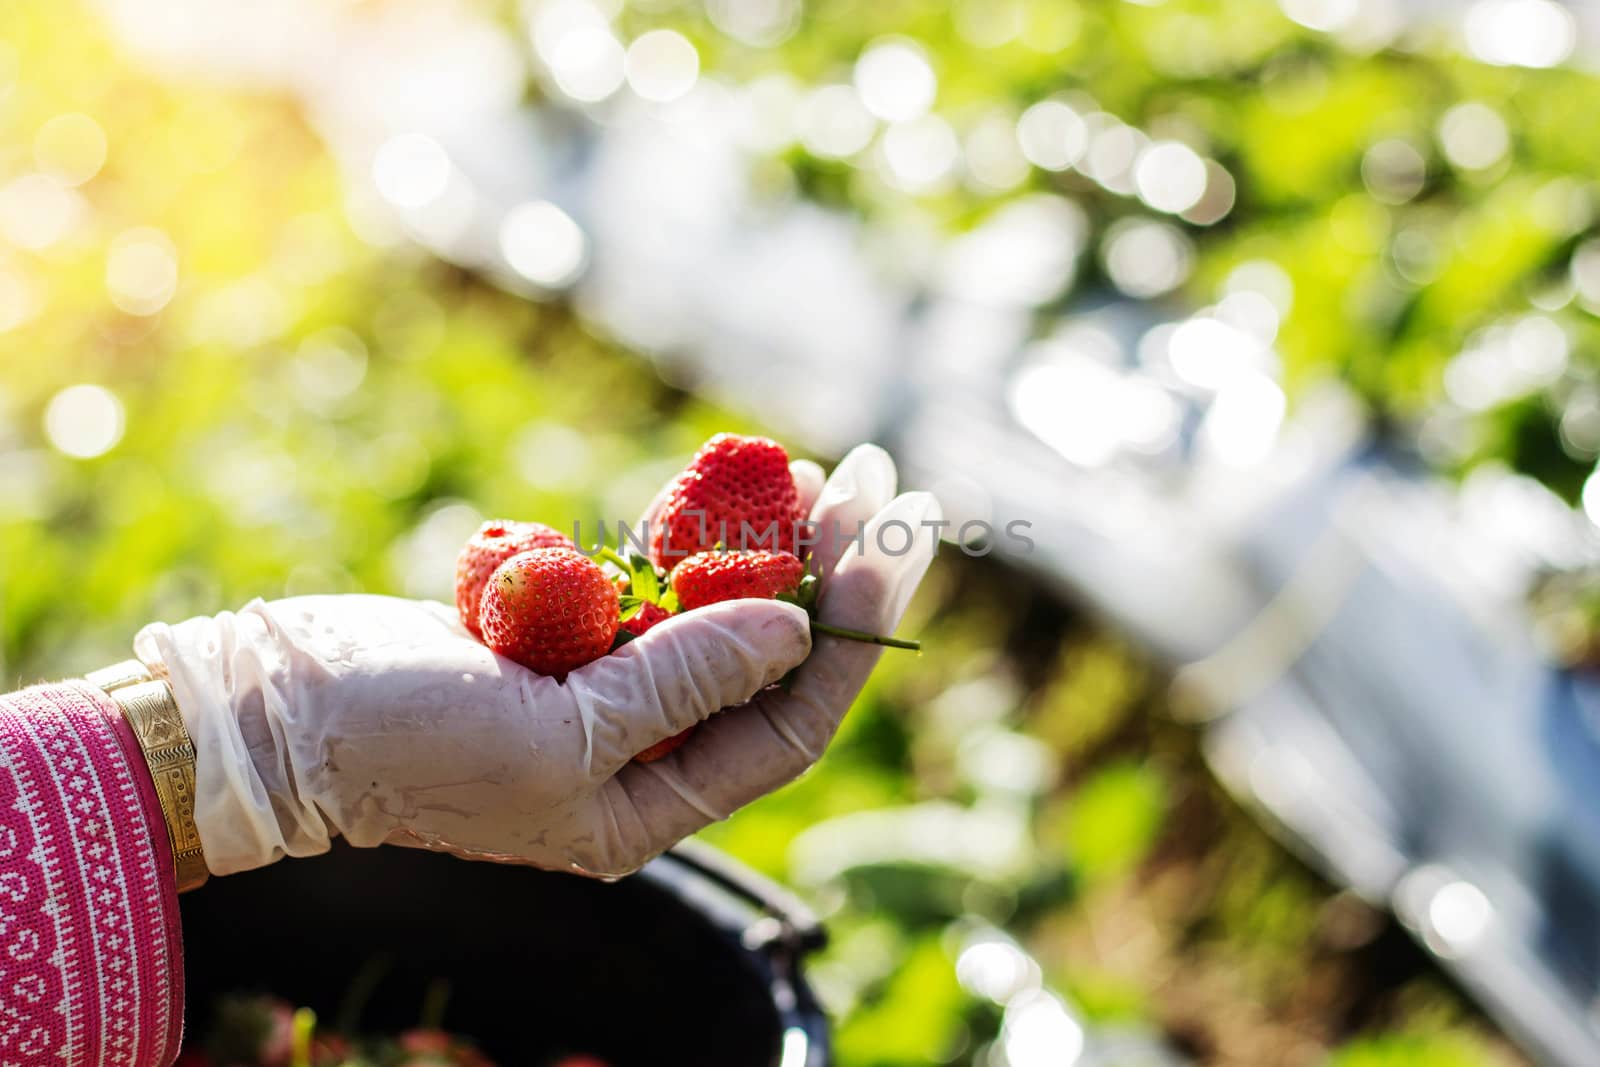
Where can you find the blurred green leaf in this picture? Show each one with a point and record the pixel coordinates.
(1114, 818)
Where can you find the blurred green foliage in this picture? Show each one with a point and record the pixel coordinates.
(1390, 282)
(1410, 1051)
(312, 413)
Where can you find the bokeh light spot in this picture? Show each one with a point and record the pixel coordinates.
(84, 421)
(661, 65)
(1113, 149)
(769, 111)
(1474, 136)
(411, 171)
(1146, 258)
(895, 80)
(19, 298)
(1053, 136)
(542, 244)
(1243, 422)
(1591, 497)
(553, 456)
(995, 162)
(70, 148)
(1459, 914)
(36, 211)
(1520, 33)
(762, 23)
(995, 969)
(329, 366)
(1326, 15)
(1039, 1032)
(834, 123)
(1170, 177)
(141, 270)
(588, 63)
(1585, 272)
(1265, 277)
(1217, 199)
(1393, 171)
(920, 153)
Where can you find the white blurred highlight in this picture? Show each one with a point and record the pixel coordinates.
(84, 421)
(662, 66)
(1243, 422)
(1039, 1031)
(1326, 15)
(991, 966)
(141, 270)
(1394, 171)
(895, 80)
(1170, 177)
(411, 170)
(995, 162)
(1459, 914)
(576, 43)
(1089, 411)
(834, 123)
(36, 211)
(1146, 258)
(542, 244)
(1474, 136)
(920, 153)
(71, 148)
(1520, 33)
(1507, 360)
(1053, 136)
(762, 23)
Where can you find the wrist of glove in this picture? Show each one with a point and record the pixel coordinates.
(383, 720)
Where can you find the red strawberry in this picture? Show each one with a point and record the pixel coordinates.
(330, 1050)
(494, 543)
(647, 616)
(552, 610)
(731, 481)
(712, 577)
(661, 748)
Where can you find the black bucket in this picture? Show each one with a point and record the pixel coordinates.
(693, 960)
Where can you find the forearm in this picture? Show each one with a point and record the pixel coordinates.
(90, 949)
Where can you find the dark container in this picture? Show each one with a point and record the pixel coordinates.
(692, 960)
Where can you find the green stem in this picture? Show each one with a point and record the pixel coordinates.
(303, 1028)
(859, 635)
(434, 1000)
(609, 554)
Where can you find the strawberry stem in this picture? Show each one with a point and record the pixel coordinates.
(303, 1028)
(864, 637)
(609, 554)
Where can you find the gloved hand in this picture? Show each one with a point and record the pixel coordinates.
(383, 720)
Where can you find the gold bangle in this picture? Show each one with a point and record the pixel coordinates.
(151, 711)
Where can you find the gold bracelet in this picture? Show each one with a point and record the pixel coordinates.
(151, 710)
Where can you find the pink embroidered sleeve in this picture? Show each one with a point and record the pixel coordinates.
(91, 964)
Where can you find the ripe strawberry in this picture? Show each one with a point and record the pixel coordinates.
(647, 616)
(712, 577)
(732, 480)
(552, 610)
(661, 748)
(494, 543)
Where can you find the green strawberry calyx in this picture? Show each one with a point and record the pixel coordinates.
(647, 585)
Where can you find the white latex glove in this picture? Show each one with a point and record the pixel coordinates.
(382, 720)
